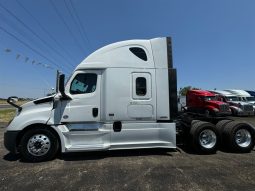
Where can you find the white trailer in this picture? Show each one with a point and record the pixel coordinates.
(122, 96)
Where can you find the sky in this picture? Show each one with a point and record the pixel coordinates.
(213, 40)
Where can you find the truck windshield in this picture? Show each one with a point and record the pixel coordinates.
(232, 98)
(210, 98)
(250, 98)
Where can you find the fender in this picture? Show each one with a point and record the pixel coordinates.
(33, 115)
(210, 108)
(235, 108)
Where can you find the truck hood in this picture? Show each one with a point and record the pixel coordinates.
(33, 112)
(214, 103)
(38, 103)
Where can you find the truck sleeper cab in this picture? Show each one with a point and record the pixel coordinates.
(122, 96)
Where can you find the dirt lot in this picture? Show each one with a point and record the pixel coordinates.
(130, 170)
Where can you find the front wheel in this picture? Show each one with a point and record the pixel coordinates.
(38, 145)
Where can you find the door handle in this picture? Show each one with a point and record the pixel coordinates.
(95, 112)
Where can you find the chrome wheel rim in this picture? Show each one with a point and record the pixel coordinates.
(207, 139)
(243, 138)
(38, 145)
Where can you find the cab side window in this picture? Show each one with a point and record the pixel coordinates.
(84, 83)
(141, 89)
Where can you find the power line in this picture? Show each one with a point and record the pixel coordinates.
(36, 71)
(31, 48)
(75, 22)
(28, 28)
(68, 28)
(18, 55)
(82, 26)
(13, 26)
(44, 29)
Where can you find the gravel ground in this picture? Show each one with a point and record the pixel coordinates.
(149, 169)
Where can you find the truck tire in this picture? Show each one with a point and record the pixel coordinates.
(38, 145)
(193, 122)
(204, 137)
(221, 125)
(239, 137)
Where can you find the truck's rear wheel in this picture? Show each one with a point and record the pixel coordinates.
(204, 137)
(38, 145)
(239, 137)
(220, 127)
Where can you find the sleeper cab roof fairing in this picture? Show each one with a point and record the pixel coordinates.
(128, 54)
(201, 93)
(222, 92)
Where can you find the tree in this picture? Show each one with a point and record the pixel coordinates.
(183, 91)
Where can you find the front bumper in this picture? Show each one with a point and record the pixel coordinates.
(225, 113)
(245, 113)
(10, 141)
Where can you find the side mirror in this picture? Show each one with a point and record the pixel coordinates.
(12, 100)
(61, 84)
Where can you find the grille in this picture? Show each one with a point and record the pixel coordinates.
(248, 108)
(224, 107)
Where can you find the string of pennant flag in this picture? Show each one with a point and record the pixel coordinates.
(28, 60)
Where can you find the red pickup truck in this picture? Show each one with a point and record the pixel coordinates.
(205, 102)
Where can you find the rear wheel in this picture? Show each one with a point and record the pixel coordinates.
(204, 137)
(220, 127)
(239, 137)
(38, 145)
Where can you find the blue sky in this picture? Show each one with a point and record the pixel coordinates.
(213, 41)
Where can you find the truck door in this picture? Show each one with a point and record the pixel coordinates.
(81, 114)
(84, 89)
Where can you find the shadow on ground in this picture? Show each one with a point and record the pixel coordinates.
(97, 155)
(11, 157)
(119, 153)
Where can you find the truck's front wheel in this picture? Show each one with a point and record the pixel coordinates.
(38, 145)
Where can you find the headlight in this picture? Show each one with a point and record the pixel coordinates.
(215, 110)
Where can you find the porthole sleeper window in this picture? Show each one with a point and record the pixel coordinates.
(139, 52)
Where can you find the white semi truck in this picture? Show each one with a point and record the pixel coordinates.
(122, 96)
(238, 106)
(244, 96)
